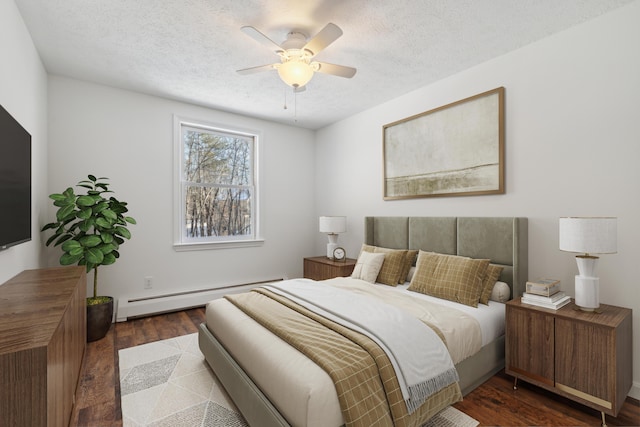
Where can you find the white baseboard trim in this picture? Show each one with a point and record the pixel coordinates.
(135, 306)
(635, 390)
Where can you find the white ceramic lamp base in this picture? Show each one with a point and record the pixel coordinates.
(333, 243)
(587, 293)
(587, 284)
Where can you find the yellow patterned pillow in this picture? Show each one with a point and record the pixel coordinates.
(490, 279)
(393, 266)
(449, 277)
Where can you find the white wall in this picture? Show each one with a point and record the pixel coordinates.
(128, 137)
(572, 148)
(23, 93)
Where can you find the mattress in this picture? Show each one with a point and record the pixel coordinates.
(296, 386)
(302, 391)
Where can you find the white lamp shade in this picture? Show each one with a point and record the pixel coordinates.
(333, 224)
(589, 235)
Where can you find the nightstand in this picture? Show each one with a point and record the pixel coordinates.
(322, 268)
(583, 356)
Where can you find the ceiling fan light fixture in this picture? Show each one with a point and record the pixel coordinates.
(296, 73)
(296, 67)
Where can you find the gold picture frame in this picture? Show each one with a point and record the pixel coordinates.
(453, 150)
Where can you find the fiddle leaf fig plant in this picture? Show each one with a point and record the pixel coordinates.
(89, 227)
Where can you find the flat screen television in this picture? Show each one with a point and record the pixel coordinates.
(15, 182)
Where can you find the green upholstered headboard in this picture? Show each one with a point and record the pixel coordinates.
(503, 240)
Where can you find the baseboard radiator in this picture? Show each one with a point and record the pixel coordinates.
(130, 307)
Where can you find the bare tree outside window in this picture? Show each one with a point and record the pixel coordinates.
(217, 184)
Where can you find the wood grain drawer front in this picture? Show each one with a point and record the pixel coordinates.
(584, 364)
(594, 357)
(530, 348)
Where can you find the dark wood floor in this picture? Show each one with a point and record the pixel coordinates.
(495, 403)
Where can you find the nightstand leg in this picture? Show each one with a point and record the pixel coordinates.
(604, 420)
(515, 383)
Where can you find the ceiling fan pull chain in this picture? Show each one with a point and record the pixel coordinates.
(285, 98)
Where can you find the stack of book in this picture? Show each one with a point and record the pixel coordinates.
(545, 293)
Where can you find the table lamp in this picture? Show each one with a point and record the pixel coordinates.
(588, 236)
(332, 225)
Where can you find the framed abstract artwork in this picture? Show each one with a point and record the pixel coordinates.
(453, 150)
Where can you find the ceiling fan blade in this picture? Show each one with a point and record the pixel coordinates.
(261, 38)
(258, 69)
(324, 38)
(336, 70)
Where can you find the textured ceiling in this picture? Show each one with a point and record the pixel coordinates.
(189, 50)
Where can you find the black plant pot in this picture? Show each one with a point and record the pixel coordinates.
(99, 317)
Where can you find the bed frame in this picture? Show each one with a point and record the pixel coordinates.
(503, 240)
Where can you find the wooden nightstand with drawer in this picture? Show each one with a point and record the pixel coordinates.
(584, 356)
(322, 268)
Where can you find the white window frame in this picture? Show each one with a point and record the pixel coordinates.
(182, 242)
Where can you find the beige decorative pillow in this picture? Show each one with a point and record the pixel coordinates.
(501, 292)
(393, 266)
(490, 278)
(368, 266)
(450, 277)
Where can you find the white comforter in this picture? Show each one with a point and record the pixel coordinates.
(461, 331)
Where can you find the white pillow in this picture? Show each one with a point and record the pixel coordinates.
(501, 292)
(368, 266)
(412, 271)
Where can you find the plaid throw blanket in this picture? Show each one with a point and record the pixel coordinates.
(365, 380)
(407, 341)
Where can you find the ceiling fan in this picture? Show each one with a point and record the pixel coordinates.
(296, 67)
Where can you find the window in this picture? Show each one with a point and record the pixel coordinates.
(216, 186)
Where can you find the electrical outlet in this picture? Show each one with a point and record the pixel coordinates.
(148, 282)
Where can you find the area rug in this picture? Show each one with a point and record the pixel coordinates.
(168, 383)
(451, 417)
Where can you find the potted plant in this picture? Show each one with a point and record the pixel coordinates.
(90, 229)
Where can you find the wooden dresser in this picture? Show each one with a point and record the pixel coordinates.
(584, 356)
(42, 343)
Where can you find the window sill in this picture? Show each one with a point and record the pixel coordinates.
(204, 246)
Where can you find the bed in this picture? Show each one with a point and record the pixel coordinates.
(270, 389)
